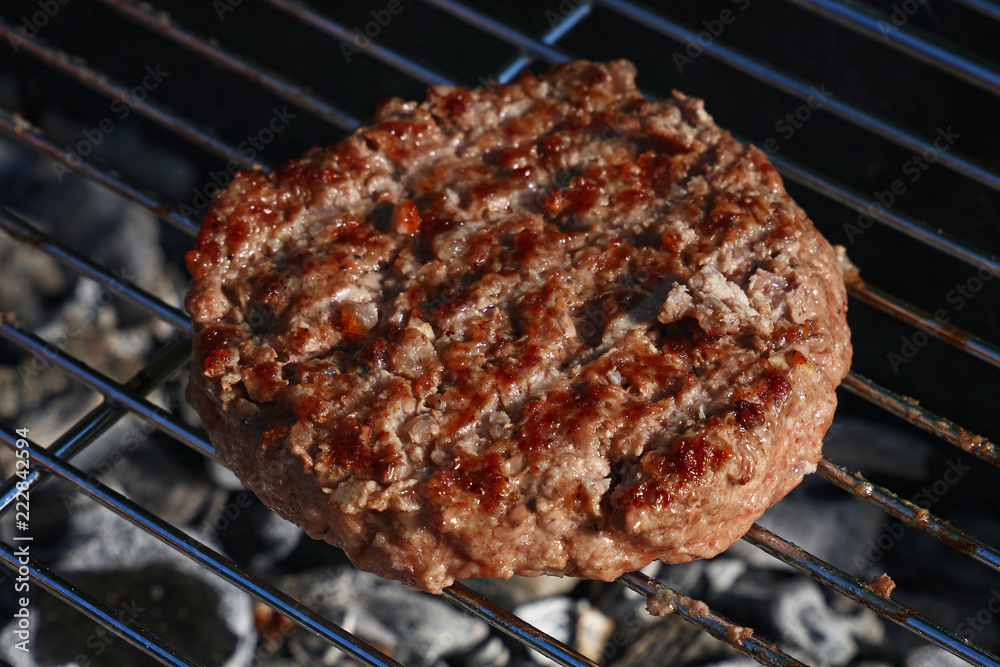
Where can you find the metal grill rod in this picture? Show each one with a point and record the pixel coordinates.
(866, 23)
(900, 222)
(164, 420)
(380, 53)
(204, 556)
(164, 364)
(134, 634)
(984, 7)
(23, 231)
(571, 20)
(794, 86)
(409, 66)
(161, 24)
(920, 319)
(906, 511)
(697, 614)
(95, 80)
(550, 38)
(28, 135)
(552, 54)
(512, 626)
(910, 410)
(846, 585)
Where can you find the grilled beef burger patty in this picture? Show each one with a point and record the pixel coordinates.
(552, 327)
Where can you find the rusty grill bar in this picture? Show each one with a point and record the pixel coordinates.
(123, 398)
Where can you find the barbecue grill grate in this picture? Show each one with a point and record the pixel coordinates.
(564, 19)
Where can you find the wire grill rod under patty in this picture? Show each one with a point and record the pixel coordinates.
(984, 7)
(910, 410)
(20, 229)
(113, 391)
(206, 557)
(279, 85)
(28, 135)
(874, 26)
(698, 614)
(775, 78)
(909, 512)
(133, 633)
(73, 68)
(860, 592)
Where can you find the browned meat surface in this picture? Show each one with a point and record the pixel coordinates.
(549, 328)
